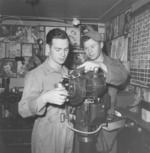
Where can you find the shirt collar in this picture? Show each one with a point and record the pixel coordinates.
(48, 68)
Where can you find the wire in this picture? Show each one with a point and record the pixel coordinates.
(83, 132)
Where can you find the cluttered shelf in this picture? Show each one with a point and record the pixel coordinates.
(134, 116)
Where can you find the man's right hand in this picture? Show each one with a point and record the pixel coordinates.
(56, 96)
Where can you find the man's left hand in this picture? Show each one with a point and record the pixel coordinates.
(91, 65)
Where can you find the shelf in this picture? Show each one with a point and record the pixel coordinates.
(136, 117)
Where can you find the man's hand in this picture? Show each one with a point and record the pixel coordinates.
(56, 96)
(91, 65)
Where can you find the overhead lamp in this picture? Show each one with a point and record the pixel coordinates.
(75, 22)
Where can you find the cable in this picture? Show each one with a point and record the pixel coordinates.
(83, 132)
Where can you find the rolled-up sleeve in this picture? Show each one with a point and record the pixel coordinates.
(31, 103)
(117, 73)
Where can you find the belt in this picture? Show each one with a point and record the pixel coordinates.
(58, 118)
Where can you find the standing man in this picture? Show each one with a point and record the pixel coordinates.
(115, 73)
(42, 99)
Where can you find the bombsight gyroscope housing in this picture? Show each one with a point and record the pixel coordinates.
(87, 95)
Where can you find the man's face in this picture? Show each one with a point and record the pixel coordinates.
(59, 50)
(7, 68)
(92, 49)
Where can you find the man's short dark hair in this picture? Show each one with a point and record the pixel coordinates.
(56, 34)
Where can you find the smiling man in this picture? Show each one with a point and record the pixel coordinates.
(116, 74)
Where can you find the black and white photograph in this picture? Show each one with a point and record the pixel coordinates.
(9, 68)
(74, 76)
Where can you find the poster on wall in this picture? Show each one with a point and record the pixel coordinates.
(35, 49)
(18, 33)
(127, 21)
(13, 50)
(31, 34)
(5, 33)
(74, 36)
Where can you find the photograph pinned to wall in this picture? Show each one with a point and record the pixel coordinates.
(21, 70)
(74, 36)
(13, 50)
(35, 49)
(27, 61)
(26, 49)
(41, 47)
(41, 28)
(22, 67)
(131, 88)
(2, 50)
(40, 53)
(121, 25)
(9, 68)
(5, 33)
(18, 33)
(127, 21)
(145, 94)
(31, 34)
(101, 31)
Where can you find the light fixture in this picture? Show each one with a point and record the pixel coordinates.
(75, 22)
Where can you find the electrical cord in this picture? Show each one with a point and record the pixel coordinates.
(83, 132)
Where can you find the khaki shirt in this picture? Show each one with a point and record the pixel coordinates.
(37, 82)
